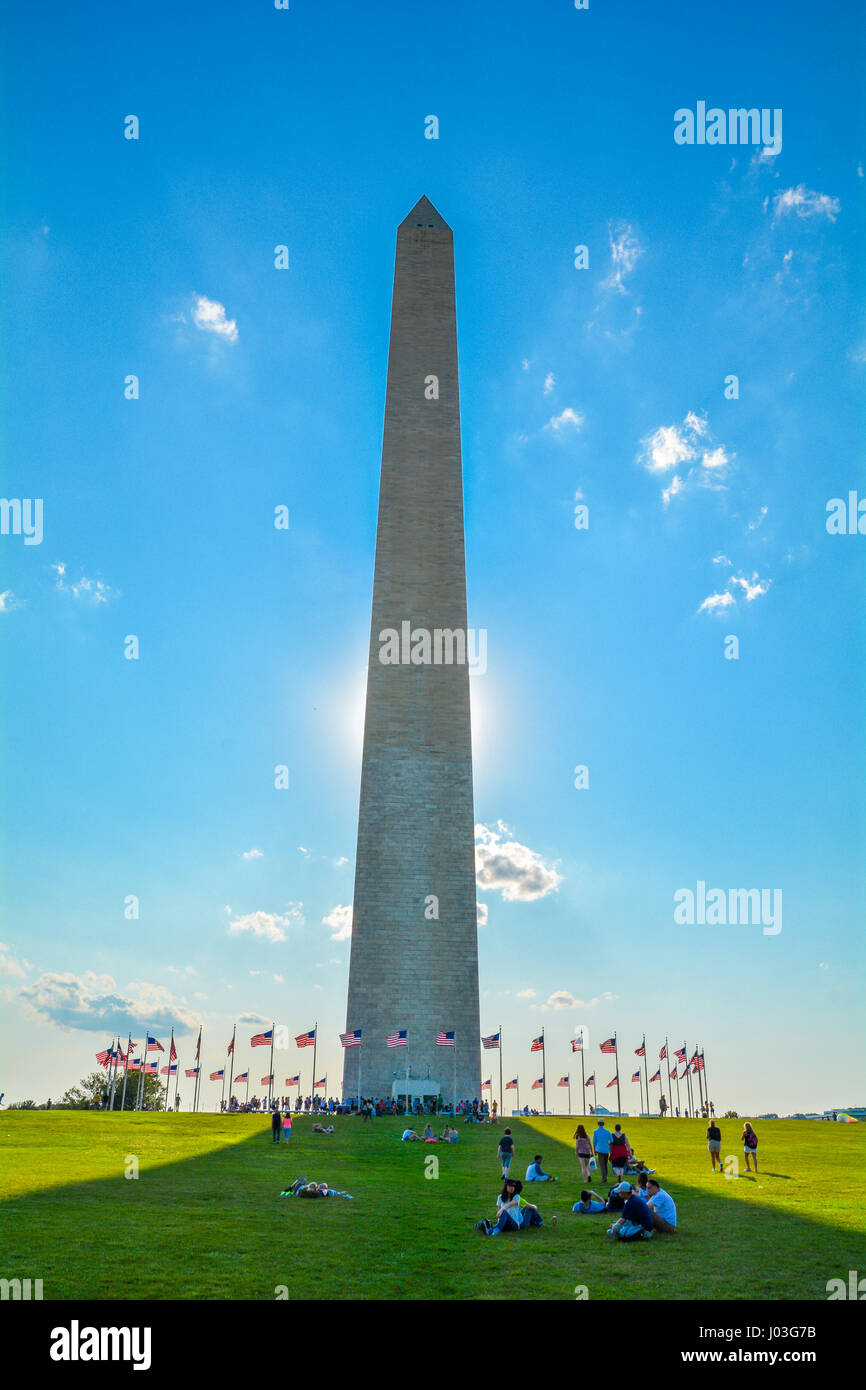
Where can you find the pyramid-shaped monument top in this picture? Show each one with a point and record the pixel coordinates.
(424, 215)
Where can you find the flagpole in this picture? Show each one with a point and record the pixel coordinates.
(688, 1079)
(646, 1075)
(197, 1070)
(407, 1071)
(247, 1097)
(595, 1093)
(706, 1083)
(232, 1055)
(517, 1089)
(271, 1066)
(315, 1040)
(360, 1045)
(142, 1065)
(454, 1049)
(176, 1076)
(569, 1090)
(501, 1092)
(700, 1078)
(543, 1076)
(582, 1079)
(616, 1061)
(168, 1077)
(125, 1071)
(112, 1071)
(677, 1077)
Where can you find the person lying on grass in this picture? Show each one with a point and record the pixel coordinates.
(408, 1135)
(514, 1213)
(301, 1188)
(590, 1204)
(320, 1129)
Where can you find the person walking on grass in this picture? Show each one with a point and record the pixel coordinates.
(750, 1146)
(601, 1147)
(620, 1151)
(287, 1125)
(583, 1151)
(276, 1126)
(714, 1144)
(505, 1152)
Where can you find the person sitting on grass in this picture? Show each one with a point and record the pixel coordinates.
(513, 1211)
(590, 1204)
(320, 1129)
(636, 1222)
(535, 1172)
(408, 1135)
(663, 1208)
(641, 1189)
(449, 1135)
(616, 1197)
(428, 1136)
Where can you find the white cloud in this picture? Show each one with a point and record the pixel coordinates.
(625, 252)
(253, 854)
(338, 863)
(549, 383)
(94, 589)
(270, 925)
(666, 448)
(11, 965)
(8, 601)
(525, 364)
(675, 486)
(569, 418)
(210, 316)
(714, 458)
(753, 525)
(305, 852)
(515, 870)
(525, 994)
(721, 560)
(340, 921)
(92, 1002)
(752, 588)
(714, 603)
(481, 914)
(562, 999)
(805, 202)
(280, 979)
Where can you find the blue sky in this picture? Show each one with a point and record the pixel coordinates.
(261, 387)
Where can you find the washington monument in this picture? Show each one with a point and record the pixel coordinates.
(414, 961)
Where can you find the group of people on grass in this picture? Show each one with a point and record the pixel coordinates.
(638, 1211)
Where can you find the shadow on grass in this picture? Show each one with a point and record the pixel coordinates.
(211, 1225)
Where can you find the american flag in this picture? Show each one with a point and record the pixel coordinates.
(609, 1045)
(640, 1051)
(537, 1085)
(486, 1085)
(491, 1041)
(591, 1081)
(695, 1069)
(103, 1056)
(306, 1039)
(153, 1045)
(135, 1064)
(673, 1073)
(636, 1076)
(577, 1044)
(190, 1071)
(218, 1075)
(680, 1053)
(684, 1072)
(563, 1081)
(701, 1062)
(262, 1039)
(511, 1085)
(170, 1070)
(612, 1083)
(268, 1080)
(231, 1047)
(321, 1083)
(398, 1039)
(151, 1066)
(172, 1056)
(445, 1040)
(293, 1081)
(537, 1044)
(663, 1054)
(244, 1076)
(198, 1045)
(351, 1039)
(658, 1075)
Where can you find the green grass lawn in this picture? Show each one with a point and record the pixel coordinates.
(204, 1220)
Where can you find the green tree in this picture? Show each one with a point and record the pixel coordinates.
(93, 1092)
(731, 1115)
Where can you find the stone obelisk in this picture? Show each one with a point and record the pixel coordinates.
(414, 961)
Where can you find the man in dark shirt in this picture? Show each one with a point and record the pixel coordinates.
(636, 1222)
(714, 1144)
